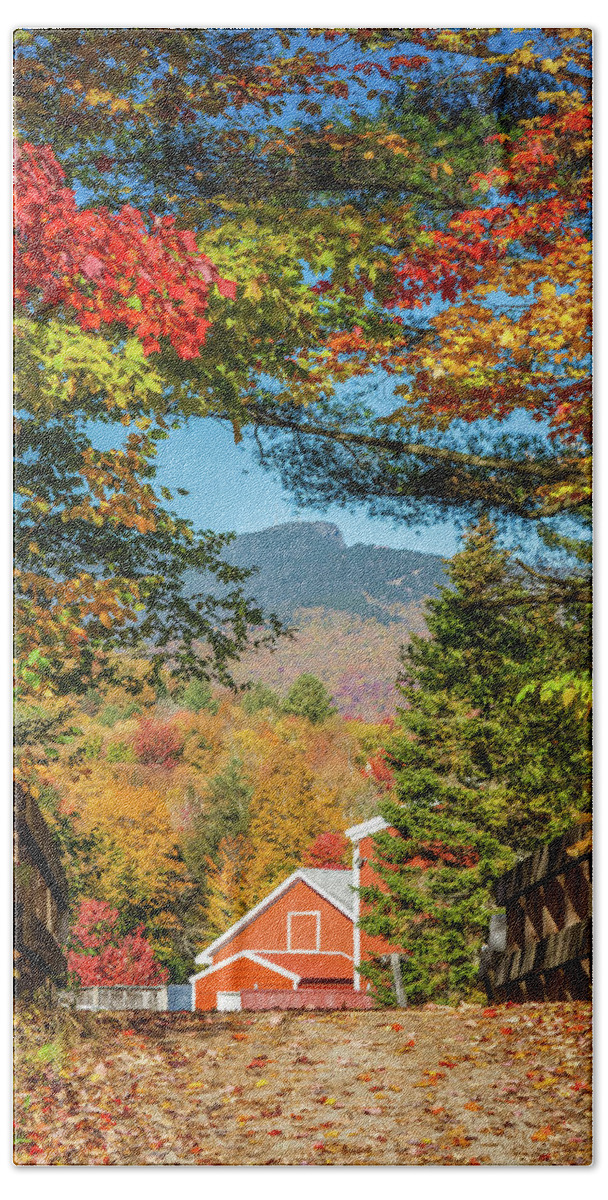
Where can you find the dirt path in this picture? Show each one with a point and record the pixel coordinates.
(507, 1085)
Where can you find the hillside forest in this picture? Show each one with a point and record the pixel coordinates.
(179, 813)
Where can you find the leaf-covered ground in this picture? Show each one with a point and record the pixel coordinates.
(504, 1085)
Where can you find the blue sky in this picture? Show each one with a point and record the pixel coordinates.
(228, 490)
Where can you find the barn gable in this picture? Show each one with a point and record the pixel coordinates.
(312, 910)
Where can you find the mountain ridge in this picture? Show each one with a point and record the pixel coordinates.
(352, 608)
(307, 564)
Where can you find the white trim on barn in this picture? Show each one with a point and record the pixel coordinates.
(206, 955)
(366, 829)
(334, 953)
(256, 958)
(310, 913)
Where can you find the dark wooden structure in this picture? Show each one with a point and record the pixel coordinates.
(41, 900)
(541, 948)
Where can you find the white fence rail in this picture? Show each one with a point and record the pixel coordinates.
(117, 999)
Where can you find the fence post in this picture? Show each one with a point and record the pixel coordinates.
(398, 980)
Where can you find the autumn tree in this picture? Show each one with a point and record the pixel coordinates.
(308, 697)
(329, 850)
(289, 808)
(226, 884)
(121, 848)
(100, 562)
(434, 185)
(378, 768)
(157, 743)
(260, 697)
(99, 956)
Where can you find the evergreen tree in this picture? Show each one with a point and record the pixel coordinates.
(491, 756)
(484, 712)
(308, 697)
(229, 795)
(258, 697)
(433, 900)
(219, 832)
(197, 695)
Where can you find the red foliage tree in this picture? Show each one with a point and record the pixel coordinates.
(377, 768)
(328, 850)
(101, 957)
(157, 744)
(532, 243)
(108, 267)
(439, 854)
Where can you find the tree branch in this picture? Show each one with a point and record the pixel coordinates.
(554, 472)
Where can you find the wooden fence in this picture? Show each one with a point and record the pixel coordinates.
(541, 948)
(41, 900)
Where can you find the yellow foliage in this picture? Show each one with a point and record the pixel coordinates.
(289, 809)
(225, 883)
(140, 861)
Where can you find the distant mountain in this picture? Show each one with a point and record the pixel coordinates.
(353, 608)
(306, 564)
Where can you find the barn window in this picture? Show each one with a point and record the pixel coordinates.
(303, 930)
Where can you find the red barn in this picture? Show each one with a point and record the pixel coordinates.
(299, 946)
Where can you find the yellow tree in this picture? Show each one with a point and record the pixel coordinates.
(135, 865)
(289, 809)
(226, 884)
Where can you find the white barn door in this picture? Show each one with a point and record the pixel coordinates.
(229, 1002)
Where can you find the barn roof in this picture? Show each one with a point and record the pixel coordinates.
(337, 884)
(310, 966)
(356, 833)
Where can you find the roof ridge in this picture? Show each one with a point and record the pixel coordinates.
(327, 870)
